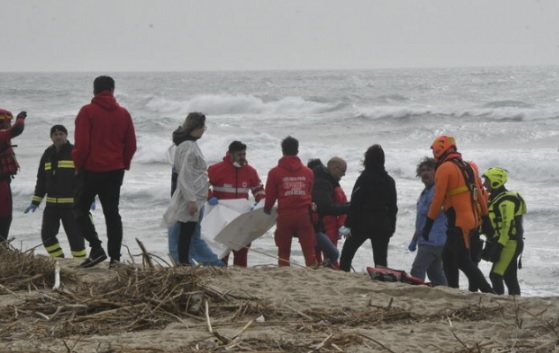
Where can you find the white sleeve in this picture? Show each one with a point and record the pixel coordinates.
(185, 160)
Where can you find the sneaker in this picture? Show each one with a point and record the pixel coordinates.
(96, 256)
(114, 263)
(328, 264)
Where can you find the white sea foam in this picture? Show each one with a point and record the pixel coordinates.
(221, 104)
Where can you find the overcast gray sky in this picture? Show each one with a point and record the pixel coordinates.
(184, 35)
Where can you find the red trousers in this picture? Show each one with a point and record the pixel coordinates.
(5, 199)
(5, 209)
(299, 225)
(239, 257)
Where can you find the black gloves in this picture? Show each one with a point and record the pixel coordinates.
(427, 228)
(486, 252)
(496, 250)
(22, 115)
(486, 227)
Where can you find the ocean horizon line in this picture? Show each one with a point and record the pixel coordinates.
(448, 67)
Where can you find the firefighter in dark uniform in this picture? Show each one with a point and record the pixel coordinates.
(56, 180)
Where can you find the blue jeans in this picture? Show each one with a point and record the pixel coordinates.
(429, 260)
(324, 244)
(199, 250)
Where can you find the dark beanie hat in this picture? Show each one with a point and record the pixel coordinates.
(56, 128)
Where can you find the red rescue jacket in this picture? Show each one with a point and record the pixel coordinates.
(231, 182)
(333, 223)
(290, 183)
(105, 139)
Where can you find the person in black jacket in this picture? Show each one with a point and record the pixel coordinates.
(372, 214)
(323, 196)
(56, 179)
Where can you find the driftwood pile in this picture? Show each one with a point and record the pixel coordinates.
(138, 298)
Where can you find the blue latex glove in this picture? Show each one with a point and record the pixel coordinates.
(343, 231)
(413, 246)
(213, 201)
(253, 206)
(31, 208)
(93, 206)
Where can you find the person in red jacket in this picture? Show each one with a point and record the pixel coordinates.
(105, 142)
(291, 183)
(334, 225)
(8, 167)
(233, 178)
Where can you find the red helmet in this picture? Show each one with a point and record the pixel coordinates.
(442, 145)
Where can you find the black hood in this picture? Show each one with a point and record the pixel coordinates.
(321, 172)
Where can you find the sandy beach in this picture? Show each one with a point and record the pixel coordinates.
(149, 308)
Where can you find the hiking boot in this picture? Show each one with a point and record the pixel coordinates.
(96, 256)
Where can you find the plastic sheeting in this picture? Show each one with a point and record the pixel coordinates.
(231, 224)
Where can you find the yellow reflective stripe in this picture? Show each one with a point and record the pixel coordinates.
(65, 164)
(37, 199)
(52, 247)
(61, 164)
(80, 253)
(457, 191)
(55, 250)
(60, 199)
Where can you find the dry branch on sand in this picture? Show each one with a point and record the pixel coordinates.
(25, 271)
(143, 299)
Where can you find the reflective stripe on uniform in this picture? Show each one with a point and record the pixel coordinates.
(231, 189)
(60, 199)
(80, 253)
(55, 250)
(66, 164)
(37, 199)
(259, 192)
(61, 164)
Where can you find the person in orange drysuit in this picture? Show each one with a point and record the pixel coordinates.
(458, 190)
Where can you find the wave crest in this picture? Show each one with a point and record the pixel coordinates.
(225, 104)
(508, 104)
